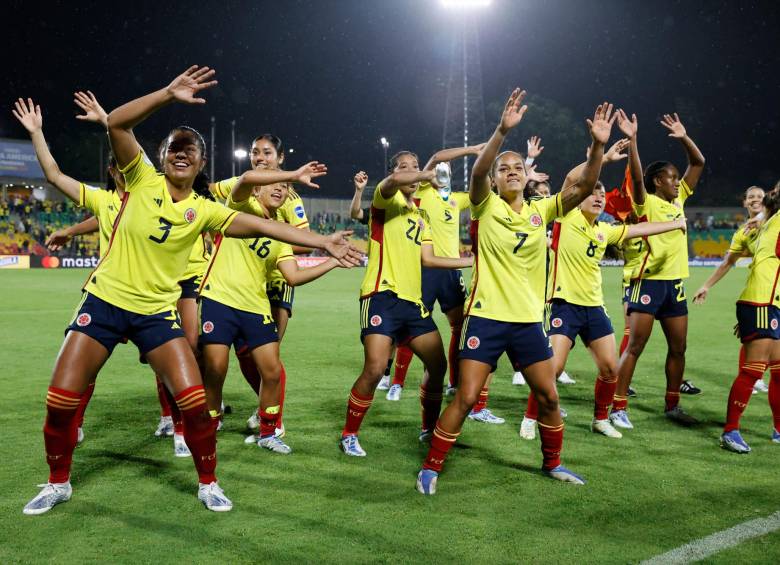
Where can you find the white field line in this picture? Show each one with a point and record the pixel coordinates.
(704, 547)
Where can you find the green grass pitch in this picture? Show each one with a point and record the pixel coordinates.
(659, 487)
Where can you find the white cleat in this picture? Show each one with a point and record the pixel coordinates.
(760, 386)
(50, 495)
(253, 422)
(273, 443)
(518, 379)
(180, 448)
(220, 426)
(619, 419)
(79, 436)
(214, 497)
(394, 394)
(384, 384)
(528, 428)
(565, 379)
(279, 432)
(485, 416)
(164, 427)
(604, 427)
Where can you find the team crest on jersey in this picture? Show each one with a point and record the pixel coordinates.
(208, 327)
(773, 324)
(376, 320)
(86, 319)
(472, 342)
(189, 215)
(645, 299)
(536, 220)
(556, 322)
(299, 211)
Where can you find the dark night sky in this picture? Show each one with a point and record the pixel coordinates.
(331, 77)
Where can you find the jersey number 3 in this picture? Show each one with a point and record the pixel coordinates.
(165, 226)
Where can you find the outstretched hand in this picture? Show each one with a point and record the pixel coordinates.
(57, 240)
(628, 127)
(674, 125)
(309, 171)
(534, 149)
(93, 111)
(28, 114)
(616, 152)
(701, 295)
(187, 85)
(532, 174)
(601, 124)
(339, 248)
(360, 180)
(513, 111)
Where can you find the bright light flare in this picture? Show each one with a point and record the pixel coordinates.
(465, 4)
(240, 153)
(384, 142)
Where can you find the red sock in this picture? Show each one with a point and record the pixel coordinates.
(619, 403)
(59, 432)
(671, 399)
(552, 444)
(282, 388)
(452, 355)
(482, 400)
(357, 406)
(431, 406)
(85, 398)
(532, 409)
(624, 341)
(199, 433)
(269, 420)
(441, 442)
(403, 358)
(249, 370)
(774, 392)
(165, 405)
(741, 391)
(604, 394)
(178, 426)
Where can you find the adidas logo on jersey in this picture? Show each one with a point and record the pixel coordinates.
(159, 201)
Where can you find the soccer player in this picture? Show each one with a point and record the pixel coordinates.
(657, 287)
(234, 304)
(391, 308)
(505, 307)
(576, 302)
(133, 291)
(758, 322)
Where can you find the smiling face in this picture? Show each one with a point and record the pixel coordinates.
(509, 175)
(184, 157)
(754, 200)
(264, 155)
(593, 205)
(272, 196)
(406, 163)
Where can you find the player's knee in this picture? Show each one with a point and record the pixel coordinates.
(636, 344)
(677, 349)
(373, 370)
(609, 371)
(466, 399)
(547, 400)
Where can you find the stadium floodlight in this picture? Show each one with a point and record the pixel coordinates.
(240, 154)
(385, 145)
(465, 4)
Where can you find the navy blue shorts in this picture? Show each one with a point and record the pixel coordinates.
(662, 299)
(281, 295)
(401, 320)
(110, 325)
(486, 340)
(445, 286)
(626, 293)
(189, 287)
(572, 320)
(757, 322)
(225, 325)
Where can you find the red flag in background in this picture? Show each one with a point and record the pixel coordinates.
(619, 201)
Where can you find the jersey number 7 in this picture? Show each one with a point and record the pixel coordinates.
(521, 237)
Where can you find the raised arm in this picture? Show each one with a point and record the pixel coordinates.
(122, 120)
(303, 175)
(645, 229)
(60, 238)
(695, 156)
(430, 260)
(479, 187)
(93, 111)
(296, 276)
(446, 155)
(355, 209)
(725, 266)
(31, 118)
(629, 128)
(535, 148)
(389, 186)
(600, 129)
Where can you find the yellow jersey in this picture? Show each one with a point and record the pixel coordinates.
(742, 243)
(510, 255)
(397, 232)
(152, 240)
(633, 250)
(292, 211)
(578, 247)
(238, 271)
(198, 261)
(761, 286)
(444, 217)
(666, 255)
(223, 188)
(105, 205)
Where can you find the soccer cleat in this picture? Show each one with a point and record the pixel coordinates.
(775, 436)
(732, 441)
(164, 427)
(760, 386)
(274, 444)
(214, 498)
(249, 440)
(528, 428)
(565, 379)
(604, 427)
(351, 446)
(681, 417)
(280, 431)
(518, 379)
(561, 473)
(450, 391)
(631, 392)
(619, 419)
(384, 384)
(425, 436)
(180, 448)
(220, 426)
(50, 495)
(564, 413)
(426, 481)
(394, 393)
(253, 422)
(485, 416)
(687, 387)
(79, 436)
